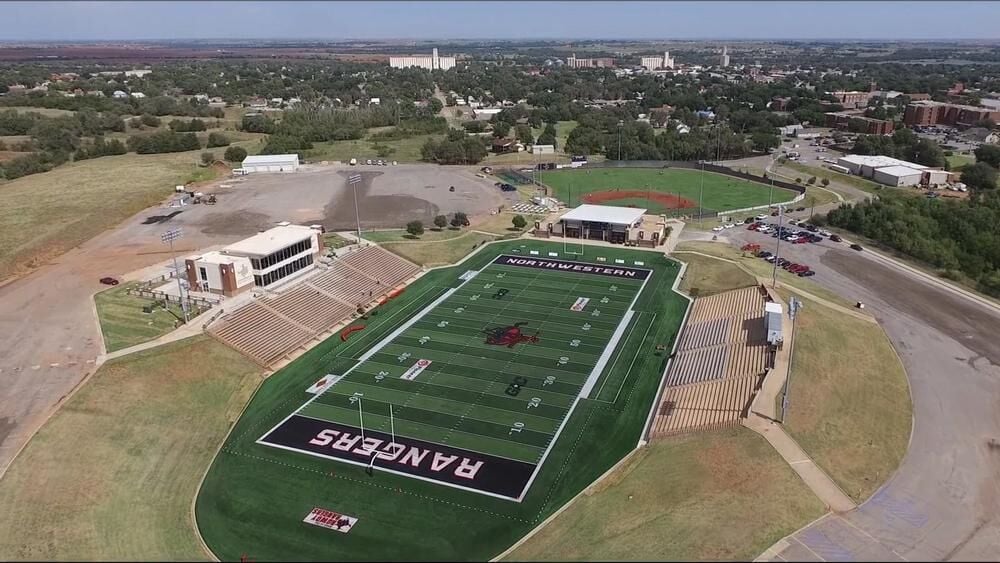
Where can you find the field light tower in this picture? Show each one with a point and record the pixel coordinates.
(354, 180)
(621, 123)
(168, 238)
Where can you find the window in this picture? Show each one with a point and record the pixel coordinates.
(202, 273)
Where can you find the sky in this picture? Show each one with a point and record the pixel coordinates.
(123, 20)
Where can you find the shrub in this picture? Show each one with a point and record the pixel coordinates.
(235, 154)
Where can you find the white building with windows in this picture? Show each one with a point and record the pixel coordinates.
(658, 63)
(278, 252)
(271, 163)
(429, 62)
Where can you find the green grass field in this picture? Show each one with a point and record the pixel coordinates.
(721, 193)
(47, 214)
(255, 496)
(709, 496)
(439, 252)
(111, 476)
(123, 323)
(848, 406)
(404, 150)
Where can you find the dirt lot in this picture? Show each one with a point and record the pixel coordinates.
(389, 196)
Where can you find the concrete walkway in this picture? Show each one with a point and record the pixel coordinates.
(815, 478)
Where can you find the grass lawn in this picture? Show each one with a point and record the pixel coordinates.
(708, 276)
(849, 404)
(47, 112)
(255, 497)
(404, 150)
(46, 214)
(499, 224)
(720, 192)
(796, 170)
(710, 496)
(959, 161)
(333, 240)
(111, 475)
(760, 268)
(124, 324)
(440, 252)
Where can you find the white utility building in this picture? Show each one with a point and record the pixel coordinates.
(865, 165)
(215, 272)
(772, 321)
(271, 163)
(897, 176)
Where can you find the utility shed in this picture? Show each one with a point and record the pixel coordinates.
(772, 321)
(271, 163)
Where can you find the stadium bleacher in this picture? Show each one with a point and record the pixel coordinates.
(272, 327)
(721, 358)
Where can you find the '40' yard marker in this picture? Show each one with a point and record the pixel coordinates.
(605, 300)
(443, 324)
(586, 326)
(424, 339)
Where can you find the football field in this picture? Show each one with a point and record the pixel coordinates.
(473, 390)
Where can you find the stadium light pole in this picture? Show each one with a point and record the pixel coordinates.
(621, 123)
(354, 180)
(169, 237)
(777, 248)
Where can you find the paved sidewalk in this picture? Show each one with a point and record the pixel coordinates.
(814, 477)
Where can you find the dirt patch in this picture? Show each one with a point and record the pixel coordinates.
(237, 223)
(668, 201)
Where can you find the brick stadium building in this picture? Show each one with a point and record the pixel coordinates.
(841, 120)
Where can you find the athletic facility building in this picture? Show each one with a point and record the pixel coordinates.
(261, 260)
(619, 225)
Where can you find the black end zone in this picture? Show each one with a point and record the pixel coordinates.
(433, 462)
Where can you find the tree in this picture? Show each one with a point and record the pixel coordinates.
(798, 180)
(235, 154)
(928, 153)
(149, 120)
(989, 154)
(825, 182)
(547, 138)
(207, 157)
(459, 219)
(415, 228)
(216, 139)
(524, 134)
(440, 222)
(811, 181)
(763, 141)
(500, 129)
(519, 222)
(980, 177)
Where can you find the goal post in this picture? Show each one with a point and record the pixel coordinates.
(573, 247)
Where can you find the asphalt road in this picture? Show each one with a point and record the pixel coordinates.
(944, 501)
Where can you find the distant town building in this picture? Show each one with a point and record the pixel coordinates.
(657, 62)
(928, 112)
(724, 60)
(600, 62)
(429, 62)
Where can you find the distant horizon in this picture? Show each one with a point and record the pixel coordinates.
(506, 40)
(124, 21)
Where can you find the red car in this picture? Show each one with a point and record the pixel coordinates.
(109, 281)
(799, 268)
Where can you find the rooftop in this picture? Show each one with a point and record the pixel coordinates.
(606, 214)
(899, 171)
(213, 257)
(270, 159)
(879, 161)
(270, 241)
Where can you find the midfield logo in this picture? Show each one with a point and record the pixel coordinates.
(508, 335)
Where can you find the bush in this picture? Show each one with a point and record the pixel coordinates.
(415, 228)
(180, 125)
(519, 222)
(235, 154)
(163, 142)
(207, 157)
(149, 120)
(216, 139)
(285, 144)
(460, 220)
(440, 222)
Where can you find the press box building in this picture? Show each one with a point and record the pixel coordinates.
(261, 260)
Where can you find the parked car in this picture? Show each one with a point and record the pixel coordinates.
(857, 247)
(717, 229)
(109, 281)
(807, 274)
(800, 208)
(368, 161)
(835, 238)
(761, 217)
